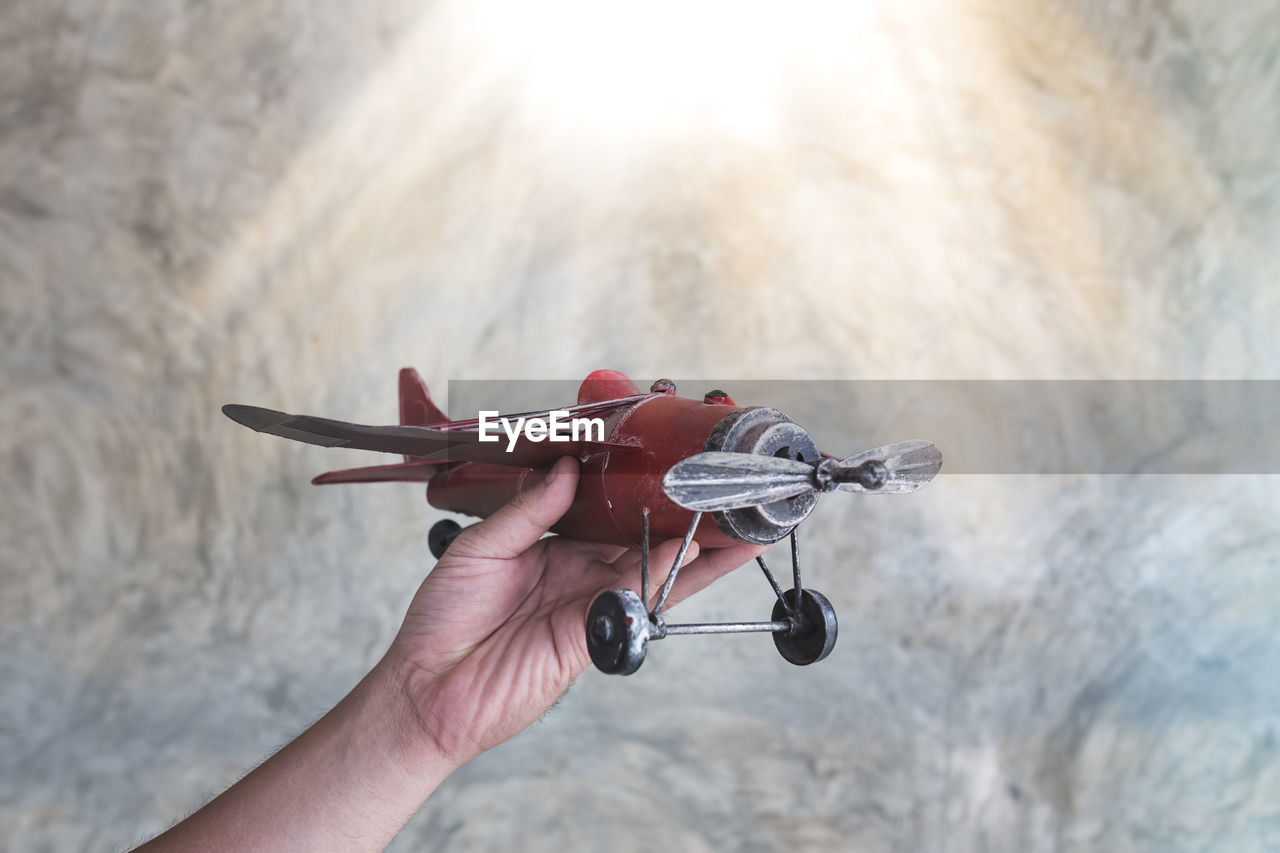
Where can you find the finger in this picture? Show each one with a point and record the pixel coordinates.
(698, 570)
(611, 553)
(661, 559)
(513, 529)
(596, 551)
(712, 565)
(599, 555)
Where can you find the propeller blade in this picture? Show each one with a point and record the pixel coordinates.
(908, 465)
(714, 481)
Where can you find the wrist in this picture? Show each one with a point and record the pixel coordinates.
(396, 689)
(446, 719)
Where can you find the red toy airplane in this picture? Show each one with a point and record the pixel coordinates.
(654, 465)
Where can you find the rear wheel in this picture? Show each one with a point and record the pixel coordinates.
(441, 536)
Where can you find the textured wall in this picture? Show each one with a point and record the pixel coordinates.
(282, 202)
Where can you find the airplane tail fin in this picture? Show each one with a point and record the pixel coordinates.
(416, 406)
(416, 409)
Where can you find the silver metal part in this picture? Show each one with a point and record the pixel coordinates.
(617, 632)
(764, 431)
(675, 569)
(727, 627)
(710, 482)
(907, 465)
(644, 557)
(619, 627)
(768, 575)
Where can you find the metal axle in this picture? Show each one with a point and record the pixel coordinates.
(721, 628)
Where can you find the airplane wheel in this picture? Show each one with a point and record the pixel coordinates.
(441, 536)
(816, 636)
(617, 632)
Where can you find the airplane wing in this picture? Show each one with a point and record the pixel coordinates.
(454, 443)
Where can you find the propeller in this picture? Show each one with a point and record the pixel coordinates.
(717, 480)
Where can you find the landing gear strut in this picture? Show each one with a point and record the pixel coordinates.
(620, 625)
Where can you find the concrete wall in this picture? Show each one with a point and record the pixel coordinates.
(282, 202)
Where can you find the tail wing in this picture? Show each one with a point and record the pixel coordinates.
(416, 409)
(418, 471)
(416, 406)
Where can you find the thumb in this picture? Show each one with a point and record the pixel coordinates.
(513, 529)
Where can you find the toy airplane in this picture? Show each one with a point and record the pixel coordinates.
(653, 465)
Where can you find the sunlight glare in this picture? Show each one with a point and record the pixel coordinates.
(664, 67)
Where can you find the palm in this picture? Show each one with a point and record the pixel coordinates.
(496, 631)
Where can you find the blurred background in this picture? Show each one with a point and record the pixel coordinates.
(281, 203)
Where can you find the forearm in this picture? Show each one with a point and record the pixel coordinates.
(350, 782)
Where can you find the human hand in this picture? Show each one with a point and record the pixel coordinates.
(495, 633)
(492, 637)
